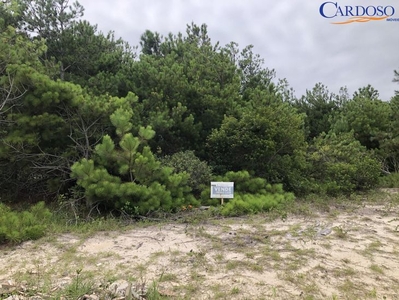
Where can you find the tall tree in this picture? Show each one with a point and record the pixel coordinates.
(10, 13)
(366, 92)
(19, 59)
(253, 74)
(251, 70)
(390, 145)
(150, 43)
(185, 92)
(49, 19)
(98, 61)
(389, 153)
(85, 56)
(319, 105)
(367, 116)
(45, 124)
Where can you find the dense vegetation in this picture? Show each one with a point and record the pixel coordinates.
(87, 118)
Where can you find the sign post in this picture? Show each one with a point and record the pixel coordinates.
(222, 190)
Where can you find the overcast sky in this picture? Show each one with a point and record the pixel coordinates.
(290, 35)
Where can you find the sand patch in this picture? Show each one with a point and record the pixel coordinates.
(346, 255)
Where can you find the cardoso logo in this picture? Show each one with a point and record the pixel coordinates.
(358, 13)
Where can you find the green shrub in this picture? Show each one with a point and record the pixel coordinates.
(267, 138)
(186, 161)
(247, 203)
(251, 194)
(389, 181)
(124, 174)
(339, 164)
(16, 227)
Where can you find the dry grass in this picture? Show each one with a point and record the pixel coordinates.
(254, 257)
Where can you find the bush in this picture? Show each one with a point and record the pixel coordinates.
(267, 139)
(247, 203)
(341, 165)
(389, 181)
(124, 174)
(199, 172)
(16, 227)
(251, 194)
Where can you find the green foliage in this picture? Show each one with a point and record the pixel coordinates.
(49, 19)
(246, 184)
(185, 87)
(36, 144)
(251, 194)
(30, 117)
(389, 181)
(153, 292)
(16, 227)
(199, 172)
(367, 116)
(150, 43)
(249, 204)
(389, 146)
(19, 61)
(340, 164)
(82, 284)
(183, 92)
(127, 176)
(252, 73)
(99, 62)
(319, 105)
(46, 125)
(82, 55)
(10, 14)
(267, 139)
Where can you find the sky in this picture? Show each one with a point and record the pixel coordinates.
(291, 36)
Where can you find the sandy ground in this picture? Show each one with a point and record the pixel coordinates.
(342, 253)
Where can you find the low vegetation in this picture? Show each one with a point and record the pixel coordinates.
(290, 252)
(16, 227)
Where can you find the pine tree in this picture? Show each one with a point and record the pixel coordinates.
(126, 175)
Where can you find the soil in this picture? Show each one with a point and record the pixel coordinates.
(349, 252)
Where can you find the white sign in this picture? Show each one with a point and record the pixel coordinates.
(223, 190)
